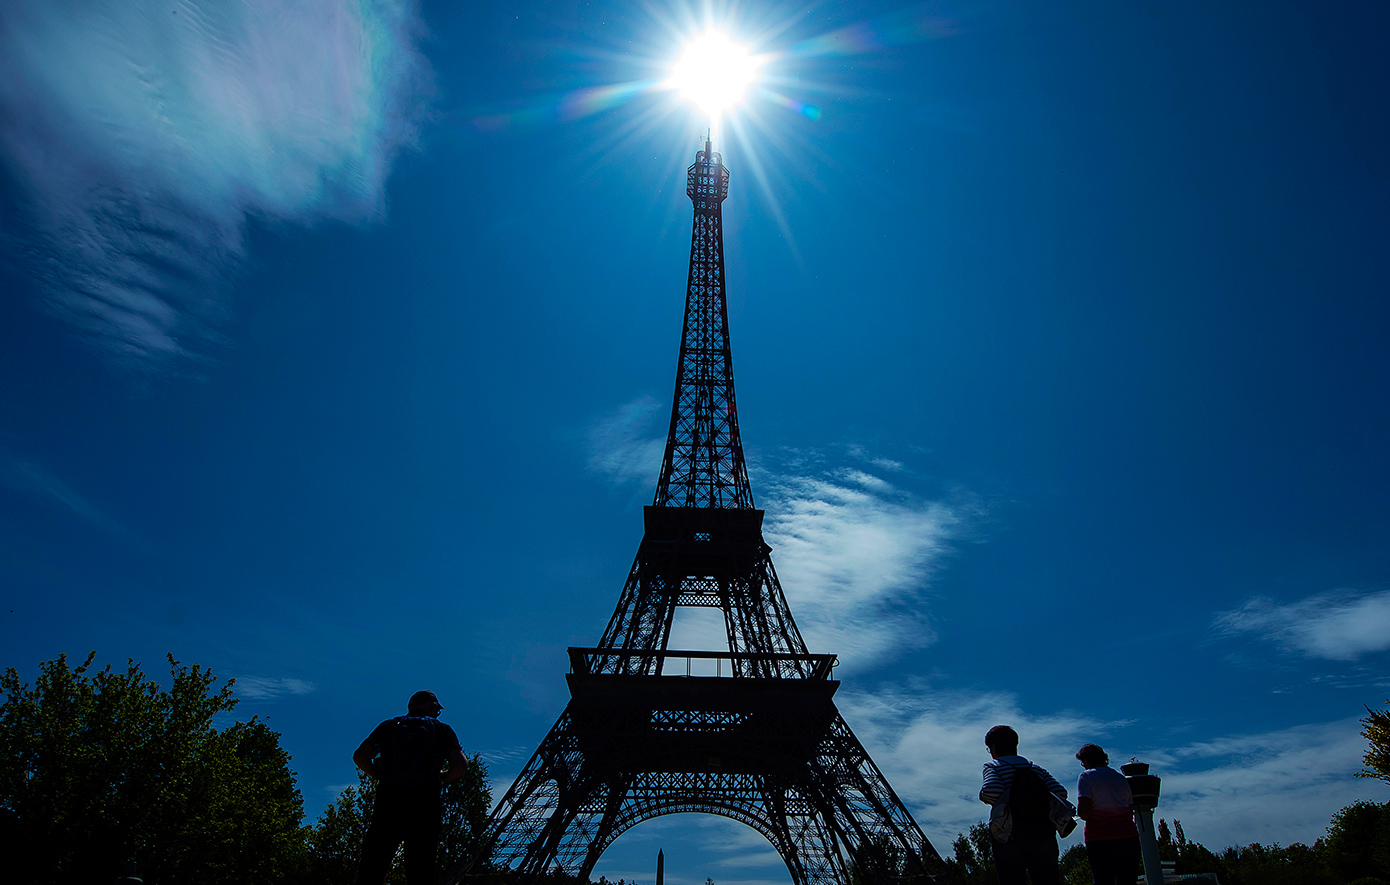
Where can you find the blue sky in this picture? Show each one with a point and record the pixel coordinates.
(337, 342)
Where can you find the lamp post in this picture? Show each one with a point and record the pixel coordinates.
(1144, 788)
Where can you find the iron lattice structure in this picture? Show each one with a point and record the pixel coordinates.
(751, 733)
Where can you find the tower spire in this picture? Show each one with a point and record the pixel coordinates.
(703, 464)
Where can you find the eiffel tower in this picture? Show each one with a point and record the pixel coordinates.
(751, 733)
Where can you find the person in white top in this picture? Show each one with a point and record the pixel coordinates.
(1104, 802)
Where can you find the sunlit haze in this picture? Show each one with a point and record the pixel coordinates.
(714, 72)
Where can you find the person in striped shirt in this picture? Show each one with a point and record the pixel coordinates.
(1030, 848)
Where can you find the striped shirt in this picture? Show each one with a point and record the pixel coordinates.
(999, 777)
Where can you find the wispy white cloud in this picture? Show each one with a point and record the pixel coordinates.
(930, 745)
(1341, 626)
(854, 553)
(862, 454)
(33, 479)
(147, 133)
(1276, 786)
(622, 445)
(507, 756)
(264, 688)
(855, 556)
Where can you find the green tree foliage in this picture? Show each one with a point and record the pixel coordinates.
(1358, 841)
(467, 801)
(1377, 732)
(1189, 857)
(1075, 866)
(1296, 864)
(879, 859)
(101, 768)
(1167, 846)
(972, 859)
(1356, 851)
(335, 840)
(1357, 846)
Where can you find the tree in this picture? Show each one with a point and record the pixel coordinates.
(1358, 841)
(335, 840)
(100, 769)
(1075, 866)
(467, 801)
(878, 859)
(1167, 848)
(972, 858)
(1297, 864)
(1377, 732)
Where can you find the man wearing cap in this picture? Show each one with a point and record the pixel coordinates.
(405, 756)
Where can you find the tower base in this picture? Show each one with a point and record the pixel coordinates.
(774, 754)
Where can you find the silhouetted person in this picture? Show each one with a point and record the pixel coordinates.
(405, 756)
(1104, 802)
(1027, 845)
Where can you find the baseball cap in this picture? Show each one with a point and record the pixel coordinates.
(423, 698)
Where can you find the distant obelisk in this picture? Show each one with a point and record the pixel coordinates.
(660, 864)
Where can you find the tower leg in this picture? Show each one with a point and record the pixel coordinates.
(833, 818)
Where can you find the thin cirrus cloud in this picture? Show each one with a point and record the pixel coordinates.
(266, 688)
(854, 552)
(930, 745)
(855, 555)
(145, 134)
(1341, 626)
(34, 481)
(620, 443)
(1277, 786)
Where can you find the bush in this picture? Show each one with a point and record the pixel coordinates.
(99, 770)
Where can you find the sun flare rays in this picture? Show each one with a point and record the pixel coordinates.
(748, 77)
(714, 73)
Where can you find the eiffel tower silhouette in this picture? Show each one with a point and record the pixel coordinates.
(751, 733)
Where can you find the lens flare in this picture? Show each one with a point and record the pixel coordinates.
(714, 72)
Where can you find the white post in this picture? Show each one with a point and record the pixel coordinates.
(1148, 846)
(1144, 787)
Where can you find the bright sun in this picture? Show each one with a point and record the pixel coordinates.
(714, 72)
